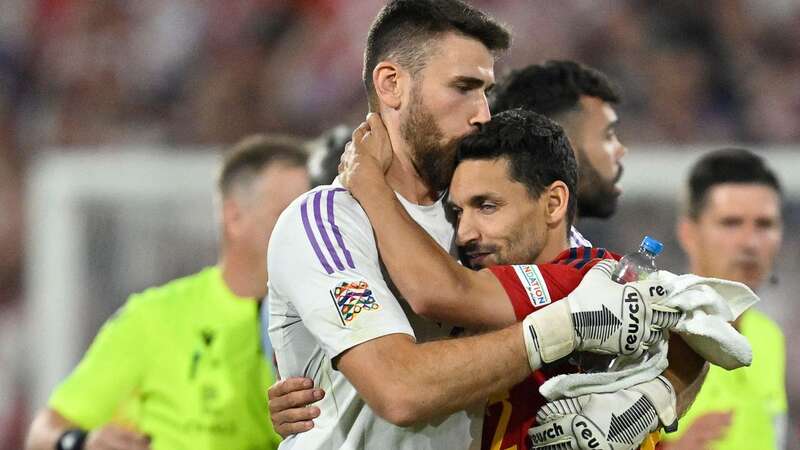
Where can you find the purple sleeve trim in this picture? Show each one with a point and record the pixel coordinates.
(339, 240)
(324, 233)
(312, 239)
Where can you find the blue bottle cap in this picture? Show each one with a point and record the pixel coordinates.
(653, 246)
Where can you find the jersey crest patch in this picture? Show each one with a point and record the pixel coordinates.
(351, 298)
(533, 282)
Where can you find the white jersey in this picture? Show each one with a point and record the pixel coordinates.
(328, 293)
(576, 239)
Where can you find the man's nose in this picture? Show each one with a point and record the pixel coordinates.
(621, 151)
(752, 238)
(465, 231)
(482, 114)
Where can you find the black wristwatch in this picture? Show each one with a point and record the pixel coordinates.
(71, 440)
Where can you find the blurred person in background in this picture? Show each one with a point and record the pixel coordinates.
(111, 72)
(581, 99)
(180, 366)
(731, 228)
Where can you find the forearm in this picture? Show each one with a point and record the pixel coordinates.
(408, 383)
(687, 371)
(469, 370)
(47, 427)
(411, 255)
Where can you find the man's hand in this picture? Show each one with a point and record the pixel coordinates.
(288, 400)
(114, 437)
(600, 316)
(367, 157)
(617, 421)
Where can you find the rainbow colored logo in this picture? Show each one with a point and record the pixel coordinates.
(351, 298)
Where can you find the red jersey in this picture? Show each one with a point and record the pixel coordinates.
(530, 287)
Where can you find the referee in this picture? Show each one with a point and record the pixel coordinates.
(180, 366)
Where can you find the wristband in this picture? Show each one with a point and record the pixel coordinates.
(549, 334)
(71, 439)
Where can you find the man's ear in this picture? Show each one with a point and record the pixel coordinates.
(231, 218)
(686, 229)
(557, 201)
(389, 81)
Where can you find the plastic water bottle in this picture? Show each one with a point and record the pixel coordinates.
(632, 267)
(638, 265)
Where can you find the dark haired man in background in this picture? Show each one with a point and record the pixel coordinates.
(731, 227)
(581, 99)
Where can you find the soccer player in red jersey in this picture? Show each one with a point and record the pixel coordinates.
(511, 198)
(511, 193)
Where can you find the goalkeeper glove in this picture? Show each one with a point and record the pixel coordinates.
(618, 421)
(600, 316)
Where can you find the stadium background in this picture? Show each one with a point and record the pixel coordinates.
(111, 114)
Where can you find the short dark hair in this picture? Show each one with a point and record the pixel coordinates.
(727, 165)
(537, 150)
(248, 157)
(403, 28)
(552, 88)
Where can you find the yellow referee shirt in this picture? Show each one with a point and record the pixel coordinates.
(181, 363)
(756, 395)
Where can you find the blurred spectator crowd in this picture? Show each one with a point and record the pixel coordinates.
(77, 72)
(81, 73)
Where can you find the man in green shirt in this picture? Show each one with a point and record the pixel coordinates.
(180, 366)
(731, 229)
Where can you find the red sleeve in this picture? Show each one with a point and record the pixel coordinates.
(533, 286)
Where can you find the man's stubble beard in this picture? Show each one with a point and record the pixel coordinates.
(433, 160)
(597, 196)
(520, 248)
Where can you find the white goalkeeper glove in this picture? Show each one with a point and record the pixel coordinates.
(618, 421)
(600, 316)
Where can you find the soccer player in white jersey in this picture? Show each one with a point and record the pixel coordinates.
(427, 67)
(333, 316)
